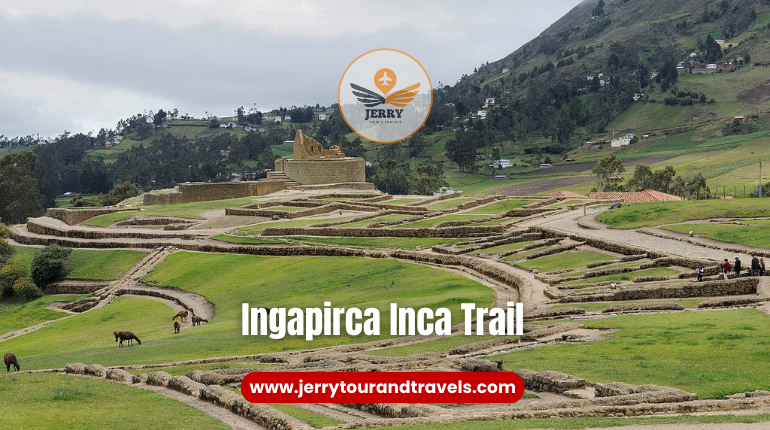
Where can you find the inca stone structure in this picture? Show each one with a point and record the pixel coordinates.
(312, 164)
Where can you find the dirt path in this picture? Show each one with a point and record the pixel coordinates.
(235, 422)
(725, 426)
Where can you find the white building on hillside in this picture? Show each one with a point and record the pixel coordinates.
(623, 141)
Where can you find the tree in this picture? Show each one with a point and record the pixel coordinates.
(19, 192)
(427, 178)
(159, 117)
(416, 144)
(713, 49)
(598, 9)
(254, 118)
(642, 179)
(214, 123)
(49, 264)
(462, 150)
(662, 178)
(240, 114)
(606, 168)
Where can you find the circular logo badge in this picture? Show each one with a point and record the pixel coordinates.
(385, 95)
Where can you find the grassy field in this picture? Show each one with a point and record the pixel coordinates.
(448, 204)
(51, 401)
(443, 344)
(755, 234)
(28, 313)
(657, 271)
(500, 206)
(565, 260)
(230, 280)
(380, 242)
(105, 265)
(579, 423)
(708, 353)
(650, 214)
(194, 210)
(402, 201)
(105, 220)
(88, 264)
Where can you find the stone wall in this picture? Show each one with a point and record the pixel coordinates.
(383, 232)
(735, 287)
(205, 191)
(35, 227)
(338, 186)
(323, 171)
(550, 381)
(76, 216)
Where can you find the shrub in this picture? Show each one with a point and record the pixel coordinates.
(49, 264)
(5, 250)
(11, 272)
(24, 287)
(4, 231)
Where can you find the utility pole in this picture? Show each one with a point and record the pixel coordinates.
(760, 178)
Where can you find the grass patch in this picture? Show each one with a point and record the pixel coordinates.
(187, 368)
(401, 201)
(702, 352)
(751, 235)
(230, 280)
(102, 265)
(655, 271)
(52, 401)
(448, 204)
(28, 313)
(565, 260)
(650, 214)
(443, 344)
(312, 418)
(107, 219)
(384, 218)
(595, 307)
(500, 206)
(381, 242)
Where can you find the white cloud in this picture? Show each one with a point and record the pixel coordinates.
(297, 18)
(60, 103)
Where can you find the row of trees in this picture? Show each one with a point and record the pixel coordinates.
(609, 169)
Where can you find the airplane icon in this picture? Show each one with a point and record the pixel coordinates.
(385, 79)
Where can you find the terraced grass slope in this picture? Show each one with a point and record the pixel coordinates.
(230, 280)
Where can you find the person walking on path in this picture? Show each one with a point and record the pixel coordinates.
(754, 265)
(737, 267)
(726, 269)
(700, 273)
(761, 267)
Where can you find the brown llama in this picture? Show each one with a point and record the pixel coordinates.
(177, 326)
(489, 367)
(127, 336)
(181, 314)
(9, 360)
(196, 320)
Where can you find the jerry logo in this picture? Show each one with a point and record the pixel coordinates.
(385, 80)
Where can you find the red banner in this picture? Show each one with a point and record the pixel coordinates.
(382, 387)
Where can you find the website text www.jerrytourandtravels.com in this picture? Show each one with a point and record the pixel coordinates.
(390, 387)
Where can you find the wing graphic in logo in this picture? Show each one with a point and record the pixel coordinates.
(402, 97)
(371, 99)
(368, 97)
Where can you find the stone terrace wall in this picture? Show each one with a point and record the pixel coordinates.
(76, 216)
(338, 186)
(34, 227)
(384, 232)
(204, 191)
(735, 287)
(323, 171)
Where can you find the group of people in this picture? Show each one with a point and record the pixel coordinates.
(757, 267)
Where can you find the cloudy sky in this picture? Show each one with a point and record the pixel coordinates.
(79, 65)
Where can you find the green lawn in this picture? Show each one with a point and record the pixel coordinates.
(649, 214)
(230, 280)
(20, 313)
(500, 206)
(448, 203)
(287, 208)
(608, 266)
(709, 353)
(105, 220)
(756, 234)
(380, 242)
(655, 271)
(579, 423)
(53, 401)
(443, 344)
(88, 264)
(106, 265)
(430, 222)
(402, 201)
(565, 260)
